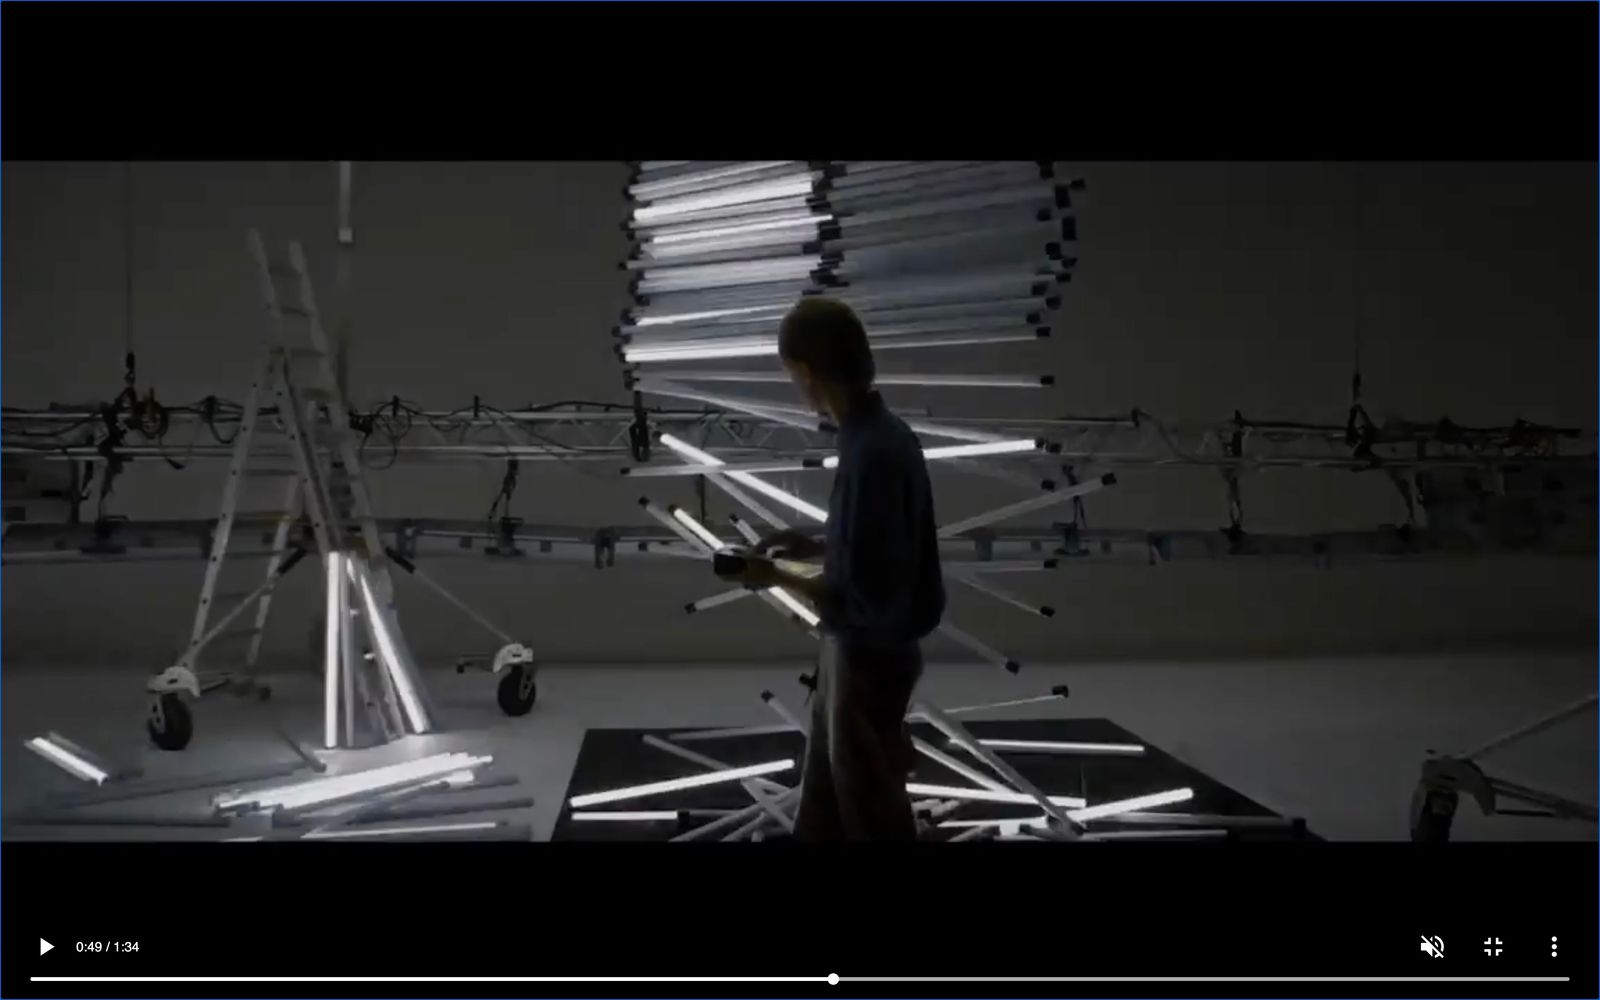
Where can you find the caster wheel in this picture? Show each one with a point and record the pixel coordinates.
(170, 723)
(263, 692)
(1432, 811)
(517, 691)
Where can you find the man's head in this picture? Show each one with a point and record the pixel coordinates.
(824, 348)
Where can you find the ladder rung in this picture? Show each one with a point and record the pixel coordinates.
(262, 515)
(232, 595)
(282, 271)
(284, 473)
(316, 394)
(238, 633)
(288, 310)
(307, 352)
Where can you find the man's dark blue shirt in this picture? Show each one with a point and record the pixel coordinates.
(882, 571)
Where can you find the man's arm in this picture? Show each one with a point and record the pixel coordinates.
(769, 574)
(870, 592)
(796, 545)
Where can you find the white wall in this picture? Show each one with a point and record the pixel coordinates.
(1203, 288)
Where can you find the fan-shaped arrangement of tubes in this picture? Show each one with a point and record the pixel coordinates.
(931, 255)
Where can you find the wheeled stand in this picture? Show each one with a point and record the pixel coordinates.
(1446, 778)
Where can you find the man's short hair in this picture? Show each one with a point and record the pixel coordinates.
(827, 336)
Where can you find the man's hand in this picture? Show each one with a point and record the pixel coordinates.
(791, 544)
(752, 571)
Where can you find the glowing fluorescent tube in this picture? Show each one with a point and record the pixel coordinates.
(1060, 691)
(402, 831)
(735, 192)
(794, 220)
(778, 267)
(391, 656)
(667, 319)
(1156, 835)
(791, 602)
(695, 542)
(667, 471)
(1007, 827)
(986, 795)
(832, 461)
(52, 749)
(753, 211)
(774, 210)
(1013, 447)
(772, 492)
(1135, 804)
(695, 455)
(1081, 815)
(1048, 746)
(971, 774)
(623, 816)
(717, 600)
(641, 355)
(743, 527)
(746, 501)
(679, 784)
(798, 187)
(1025, 506)
(326, 791)
(897, 378)
(881, 333)
(700, 531)
(1012, 824)
(767, 347)
(335, 616)
(648, 190)
(716, 251)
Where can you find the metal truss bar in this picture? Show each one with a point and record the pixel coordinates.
(992, 550)
(567, 434)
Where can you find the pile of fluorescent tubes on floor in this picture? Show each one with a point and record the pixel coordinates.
(394, 800)
(998, 785)
(320, 793)
(365, 804)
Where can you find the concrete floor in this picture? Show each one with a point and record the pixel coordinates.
(1338, 742)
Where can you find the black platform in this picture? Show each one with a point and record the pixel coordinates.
(614, 758)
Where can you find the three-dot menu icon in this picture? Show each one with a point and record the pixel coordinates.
(1553, 943)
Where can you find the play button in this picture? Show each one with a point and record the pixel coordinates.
(44, 946)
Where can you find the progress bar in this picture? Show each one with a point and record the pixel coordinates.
(831, 979)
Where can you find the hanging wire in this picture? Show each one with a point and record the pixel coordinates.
(127, 261)
(1358, 275)
(1360, 432)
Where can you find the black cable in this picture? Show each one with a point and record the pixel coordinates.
(555, 448)
(1358, 279)
(127, 258)
(508, 489)
(208, 416)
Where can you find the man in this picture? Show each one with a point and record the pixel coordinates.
(879, 593)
